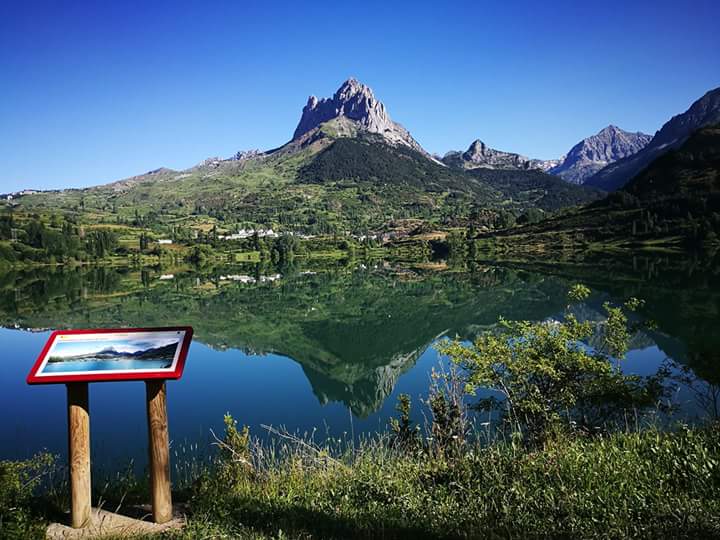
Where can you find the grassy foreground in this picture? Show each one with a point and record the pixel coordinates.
(646, 484)
(562, 463)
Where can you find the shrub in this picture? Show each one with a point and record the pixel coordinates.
(544, 378)
(18, 483)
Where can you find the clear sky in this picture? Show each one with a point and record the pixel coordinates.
(98, 91)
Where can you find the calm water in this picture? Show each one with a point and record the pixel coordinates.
(316, 349)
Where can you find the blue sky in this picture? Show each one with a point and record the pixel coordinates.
(93, 92)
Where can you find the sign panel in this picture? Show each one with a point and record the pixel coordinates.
(112, 355)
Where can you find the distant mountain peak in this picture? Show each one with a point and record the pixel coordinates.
(356, 102)
(703, 112)
(597, 151)
(481, 156)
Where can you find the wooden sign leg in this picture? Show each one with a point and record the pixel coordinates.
(79, 452)
(159, 450)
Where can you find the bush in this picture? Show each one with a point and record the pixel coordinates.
(19, 480)
(544, 378)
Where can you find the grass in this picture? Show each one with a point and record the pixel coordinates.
(639, 484)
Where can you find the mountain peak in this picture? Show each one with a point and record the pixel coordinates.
(597, 151)
(477, 146)
(353, 100)
(353, 86)
(356, 102)
(703, 112)
(480, 156)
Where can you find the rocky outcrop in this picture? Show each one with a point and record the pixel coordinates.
(355, 102)
(594, 153)
(243, 155)
(704, 112)
(479, 155)
(546, 164)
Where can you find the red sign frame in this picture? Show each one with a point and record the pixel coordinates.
(99, 376)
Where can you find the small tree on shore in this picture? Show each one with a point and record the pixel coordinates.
(544, 377)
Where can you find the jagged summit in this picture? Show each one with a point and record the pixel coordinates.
(480, 155)
(356, 102)
(353, 100)
(607, 146)
(703, 112)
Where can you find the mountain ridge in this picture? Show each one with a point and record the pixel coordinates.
(597, 151)
(702, 112)
(480, 155)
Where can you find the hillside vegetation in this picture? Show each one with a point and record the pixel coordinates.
(673, 203)
(329, 183)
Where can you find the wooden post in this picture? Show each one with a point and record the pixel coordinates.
(79, 452)
(159, 445)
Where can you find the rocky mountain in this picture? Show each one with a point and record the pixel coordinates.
(671, 204)
(355, 102)
(480, 155)
(348, 167)
(593, 153)
(703, 112)
(546, 164)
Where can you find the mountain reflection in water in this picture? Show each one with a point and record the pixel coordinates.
(354, 330)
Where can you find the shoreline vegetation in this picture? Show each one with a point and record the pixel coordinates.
(606, 228)
(633, 483)
(572, 448)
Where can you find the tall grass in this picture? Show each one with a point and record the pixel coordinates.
(644, 484)
(636, 483)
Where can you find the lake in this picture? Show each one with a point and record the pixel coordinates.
(324, 350)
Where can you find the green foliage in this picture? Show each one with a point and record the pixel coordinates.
(405, 435)
(531, 215)
(100, 242)
(200, 254)
(457, 246)
(628, 485)
(637, 484)
(536, 190)
(234, 454)
(545, 379)
(379, 163)
(19, 480)
(449, 425)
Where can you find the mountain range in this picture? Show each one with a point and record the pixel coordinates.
(347, 167)
(350, 166)
(673, 203)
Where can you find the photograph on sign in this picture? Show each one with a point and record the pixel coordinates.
(111, 354)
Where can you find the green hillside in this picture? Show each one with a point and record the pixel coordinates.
(690, 173)
(674, 203)
(334, 179)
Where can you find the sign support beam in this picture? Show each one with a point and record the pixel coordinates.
(79, 452)
(159, 450)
